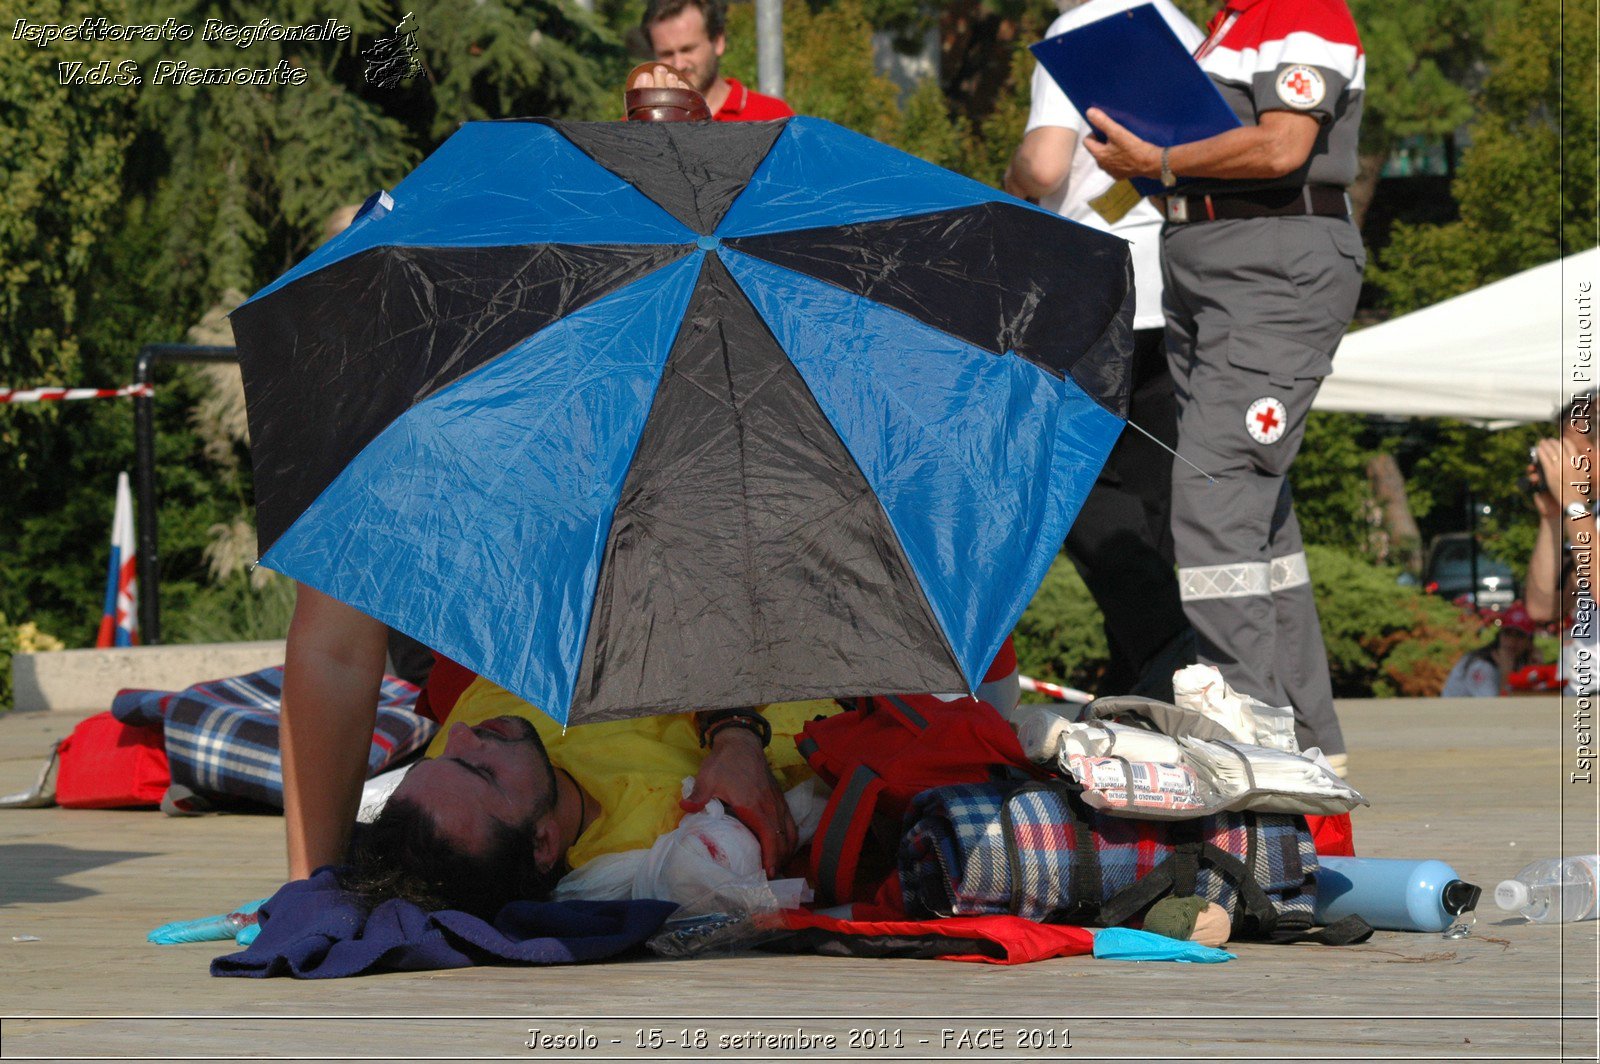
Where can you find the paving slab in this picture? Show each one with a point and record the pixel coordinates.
(1485, 785)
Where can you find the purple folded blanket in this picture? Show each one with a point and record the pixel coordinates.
(311, 929)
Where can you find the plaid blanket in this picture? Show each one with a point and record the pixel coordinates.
(222, 735)
(955, 859)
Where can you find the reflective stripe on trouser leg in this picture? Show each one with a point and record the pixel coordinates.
(1290, 571)
(1197, 582)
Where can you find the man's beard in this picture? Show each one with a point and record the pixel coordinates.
(705, 79)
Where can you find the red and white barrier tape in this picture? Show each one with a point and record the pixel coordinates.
(44, 395)
(1055, 690)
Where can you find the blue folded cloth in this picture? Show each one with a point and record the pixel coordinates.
(1127, 944)
(312, 929)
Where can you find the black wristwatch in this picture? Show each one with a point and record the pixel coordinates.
(709, 722)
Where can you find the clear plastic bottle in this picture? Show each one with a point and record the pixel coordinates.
(1553, 890)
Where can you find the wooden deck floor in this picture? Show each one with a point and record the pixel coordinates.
(1480, 784)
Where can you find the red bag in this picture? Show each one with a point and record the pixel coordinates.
(106, 764)
(1332, 835)
(877, 757)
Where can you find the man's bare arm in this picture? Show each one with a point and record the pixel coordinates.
(1041, 162)
(330, 702)
(1280, 145)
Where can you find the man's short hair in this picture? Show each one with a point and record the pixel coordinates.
(714, 11)
(402, 855)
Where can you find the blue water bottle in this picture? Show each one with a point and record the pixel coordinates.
(1395, 895)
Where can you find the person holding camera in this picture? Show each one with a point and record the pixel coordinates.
(1561, 571)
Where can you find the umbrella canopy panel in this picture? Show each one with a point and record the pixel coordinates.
(746, 539)
(633, 418)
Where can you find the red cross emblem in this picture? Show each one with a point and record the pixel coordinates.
(1266, 420)
(1301, 86)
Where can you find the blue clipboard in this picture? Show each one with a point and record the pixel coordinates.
(1133, 67)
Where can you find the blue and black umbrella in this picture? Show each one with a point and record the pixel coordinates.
(632, 418)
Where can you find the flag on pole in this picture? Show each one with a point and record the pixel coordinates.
(119, 624)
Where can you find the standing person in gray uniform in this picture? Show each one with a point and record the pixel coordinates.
(1121, 542)
(1262, 266)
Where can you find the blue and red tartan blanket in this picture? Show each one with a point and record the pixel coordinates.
(222, 735)
(973, 849)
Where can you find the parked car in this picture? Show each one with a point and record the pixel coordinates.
(1448, 572)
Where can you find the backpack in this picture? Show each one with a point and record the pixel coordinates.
(1039, 851)
(878, 756)
(106, 764)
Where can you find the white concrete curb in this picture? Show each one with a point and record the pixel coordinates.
(87, 680)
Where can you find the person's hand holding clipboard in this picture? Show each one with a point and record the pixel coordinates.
(1130, 72)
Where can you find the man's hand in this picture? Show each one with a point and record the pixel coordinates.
(1123, 154)
(735, 772)
(659, 76)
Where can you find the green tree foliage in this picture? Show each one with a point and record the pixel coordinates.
(1061, 637)
(1332, 497)
(126, 212)
(62, 155)
(929, 131)
(1459, 463)
(1525, 185)
(1000, 131)
(1384, 639)
(830, 73)
(1419, 57)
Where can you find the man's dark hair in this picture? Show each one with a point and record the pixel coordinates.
(715, 12)
(402, 855)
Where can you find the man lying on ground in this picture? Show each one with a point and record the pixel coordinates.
(510, 801)
(334, 665)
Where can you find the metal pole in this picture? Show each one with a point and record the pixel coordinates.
(144, 446)
(1472, 528)
(144, 450)
(769, 46)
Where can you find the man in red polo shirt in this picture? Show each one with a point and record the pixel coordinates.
(687, 35)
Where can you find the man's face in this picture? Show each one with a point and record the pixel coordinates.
(490, 776)
(683, 44)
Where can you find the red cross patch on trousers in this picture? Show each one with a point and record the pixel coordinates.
(1266, 419)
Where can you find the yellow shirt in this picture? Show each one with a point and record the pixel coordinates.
(633, 768)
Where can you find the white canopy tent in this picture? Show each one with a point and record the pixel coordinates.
(1507, 352)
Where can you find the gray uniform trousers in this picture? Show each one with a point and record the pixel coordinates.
(1255, 308)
